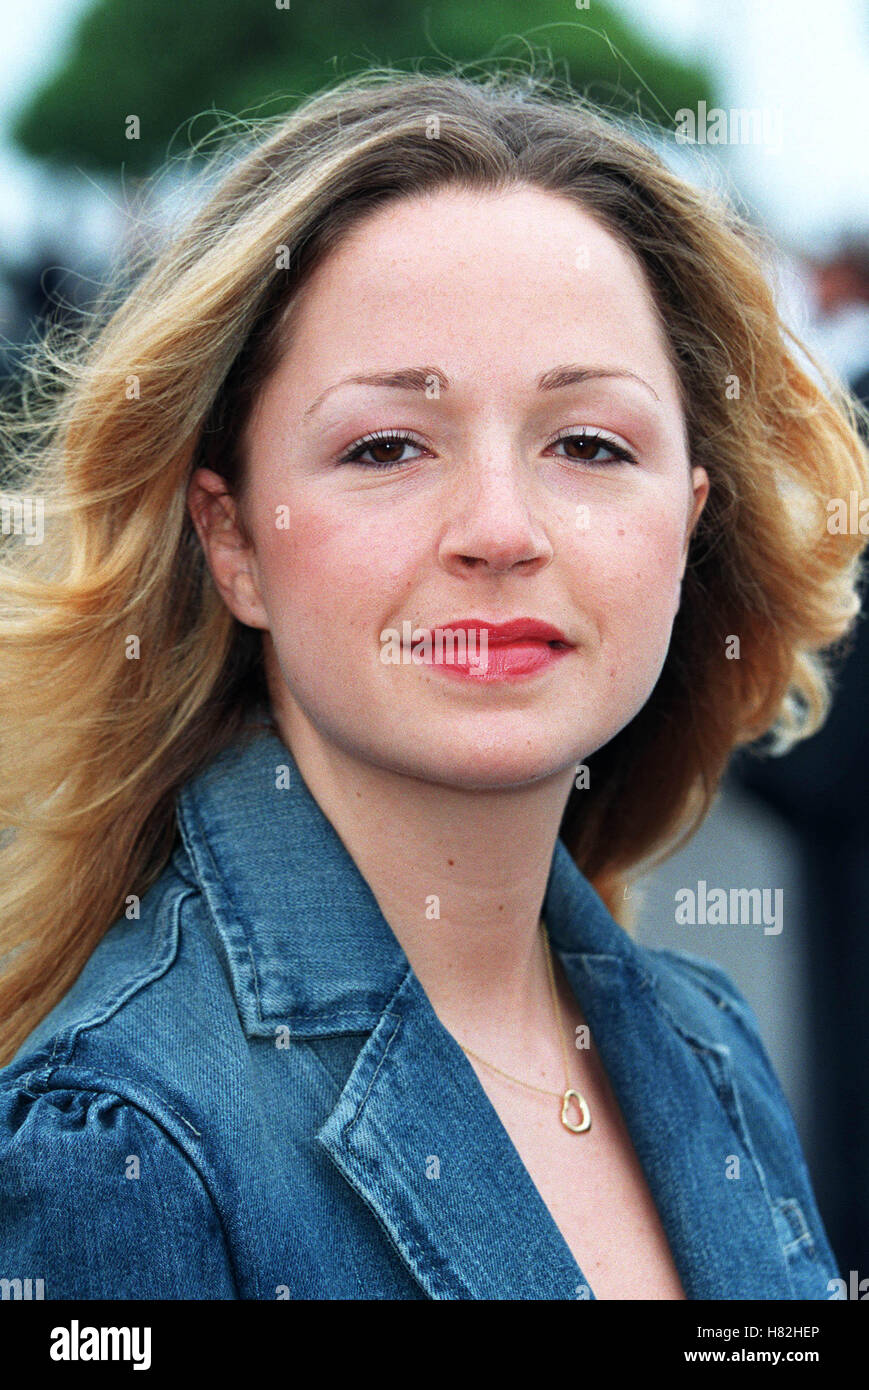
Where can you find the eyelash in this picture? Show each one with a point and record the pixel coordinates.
(352, 455)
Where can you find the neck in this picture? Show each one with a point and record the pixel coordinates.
(460, 878)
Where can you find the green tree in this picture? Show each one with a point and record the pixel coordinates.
(166, 62)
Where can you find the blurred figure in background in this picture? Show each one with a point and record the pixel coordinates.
(820, 790)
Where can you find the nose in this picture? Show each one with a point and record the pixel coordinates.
(492, 518)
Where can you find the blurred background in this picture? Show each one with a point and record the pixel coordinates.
(96, 96)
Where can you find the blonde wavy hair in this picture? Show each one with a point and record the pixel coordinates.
(161, 378)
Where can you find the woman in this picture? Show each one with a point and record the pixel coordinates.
(423, 530)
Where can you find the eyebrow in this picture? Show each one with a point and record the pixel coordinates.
(419, 378)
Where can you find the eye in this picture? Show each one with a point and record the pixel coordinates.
(587, 443)
(382, 441)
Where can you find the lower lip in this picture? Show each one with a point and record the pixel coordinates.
(505, 661)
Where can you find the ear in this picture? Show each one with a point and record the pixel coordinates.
(228, 549)
(700, 491)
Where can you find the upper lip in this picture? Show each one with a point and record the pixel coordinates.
(516, 630)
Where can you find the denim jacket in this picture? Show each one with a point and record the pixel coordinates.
(247, 1094)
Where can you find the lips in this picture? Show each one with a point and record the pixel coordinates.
(516, 630)
(509, 651)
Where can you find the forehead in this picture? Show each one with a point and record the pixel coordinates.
(502, 283)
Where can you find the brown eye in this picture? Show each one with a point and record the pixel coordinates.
(586, 448)
(581, 448)
(386, 450)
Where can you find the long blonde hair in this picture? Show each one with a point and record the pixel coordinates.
(161, 379)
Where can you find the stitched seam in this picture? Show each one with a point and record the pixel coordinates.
(165, 953)
(196, 832)
(723, 1054)
(311, 1052)
(361, 1106)
(422, 1255)
(787, 1205)
(187, 1159)
(259, 1005)
(693, 1038)
(372, 1015)
(412, 1248)
(771, 1201)
(699, 977)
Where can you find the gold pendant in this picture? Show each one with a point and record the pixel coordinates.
(583, 1110)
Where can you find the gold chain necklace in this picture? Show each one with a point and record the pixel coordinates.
(568, 1089)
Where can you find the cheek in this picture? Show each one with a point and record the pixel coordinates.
(321, 570)
(651, 561)
(636, 584)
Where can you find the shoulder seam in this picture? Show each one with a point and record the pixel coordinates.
(705, 979)
(166, 929)
(43, 1088)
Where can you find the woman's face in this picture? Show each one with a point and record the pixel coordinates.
(538, 469)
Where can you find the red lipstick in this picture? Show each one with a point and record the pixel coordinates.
(511, 650)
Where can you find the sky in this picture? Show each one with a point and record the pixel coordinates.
(808, 60)
(33, 38)
(807, 64)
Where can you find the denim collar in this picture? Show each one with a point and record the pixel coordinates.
(307, 948)
(303, 936)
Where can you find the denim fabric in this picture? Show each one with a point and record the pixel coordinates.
(247, 1094)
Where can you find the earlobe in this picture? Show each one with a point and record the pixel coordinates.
(228, 550)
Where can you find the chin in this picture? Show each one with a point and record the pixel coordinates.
(473, 766)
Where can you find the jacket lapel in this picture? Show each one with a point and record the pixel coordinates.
(676, 1091)
(414, 1132)
(673, 1078)
(417, 1137)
